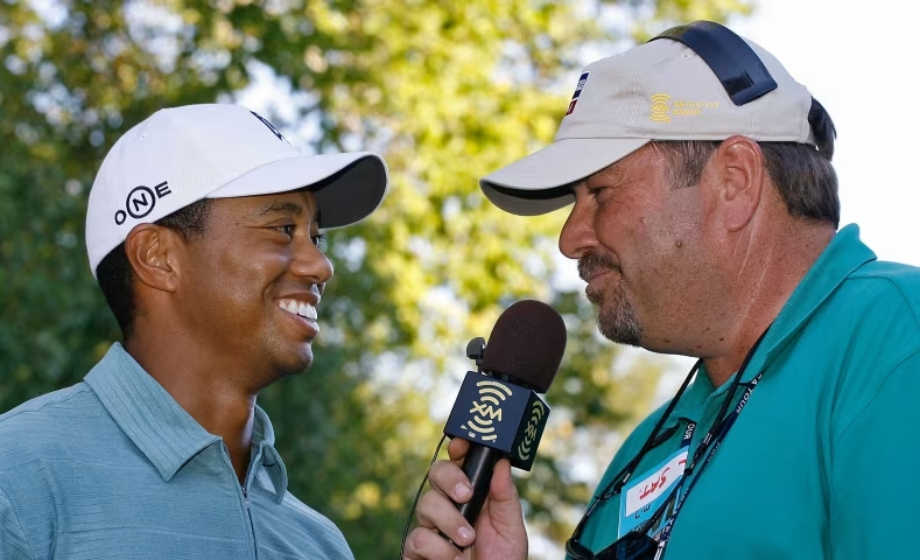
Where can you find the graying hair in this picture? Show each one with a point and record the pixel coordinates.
(802, 173)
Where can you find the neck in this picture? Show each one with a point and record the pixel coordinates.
(767, 272)
(208, 391)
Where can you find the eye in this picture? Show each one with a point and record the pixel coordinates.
(319, 240)
(596, 192)
(287, 229)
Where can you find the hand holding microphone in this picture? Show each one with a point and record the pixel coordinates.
(496, 422)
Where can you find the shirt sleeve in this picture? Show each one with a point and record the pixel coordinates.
(13, 543)
(875, 473)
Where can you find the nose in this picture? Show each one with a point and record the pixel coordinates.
(577, 238)
(310, 262)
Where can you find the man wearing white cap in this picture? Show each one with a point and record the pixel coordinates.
(203, 230)
(705, 224)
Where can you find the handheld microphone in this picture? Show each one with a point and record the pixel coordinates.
(498, 409)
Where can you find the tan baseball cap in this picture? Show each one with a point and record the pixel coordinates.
(660, 90)
(181, 155)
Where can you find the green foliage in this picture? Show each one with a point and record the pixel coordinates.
(448, 91)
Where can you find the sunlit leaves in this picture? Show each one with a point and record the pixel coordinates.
(448, 91)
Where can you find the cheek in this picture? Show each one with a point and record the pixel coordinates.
(677, 227)
(248, 277)
(230, 281)
(622, 231)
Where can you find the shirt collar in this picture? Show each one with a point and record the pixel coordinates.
(843, 255)
(264, 452)
(693, 400)
(164, 432)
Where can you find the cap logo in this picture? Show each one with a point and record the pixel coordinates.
(141, 202)
(662, 108)
(270, 126)
(581, 85)
(660, 111)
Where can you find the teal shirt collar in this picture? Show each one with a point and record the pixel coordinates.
(164, 432)
(843, 255)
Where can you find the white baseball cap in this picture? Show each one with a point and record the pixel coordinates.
(660, 90)
(181, 155)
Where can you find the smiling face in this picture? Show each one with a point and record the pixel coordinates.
(250, 285)
(642, 250)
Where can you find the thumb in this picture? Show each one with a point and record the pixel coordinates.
(504, 503)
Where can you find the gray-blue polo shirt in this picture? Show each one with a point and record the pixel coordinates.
(113, 467)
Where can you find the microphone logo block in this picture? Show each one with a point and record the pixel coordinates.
(501, 415)
(532, 431)
(488, 409)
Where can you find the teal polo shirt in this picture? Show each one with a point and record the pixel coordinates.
(823, 460)
(114, 468)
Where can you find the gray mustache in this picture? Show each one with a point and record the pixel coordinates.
(589, 264)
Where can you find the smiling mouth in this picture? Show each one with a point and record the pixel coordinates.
(592, 266)
(299, 308)
(596, 274)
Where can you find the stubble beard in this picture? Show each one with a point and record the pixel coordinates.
(617, 319)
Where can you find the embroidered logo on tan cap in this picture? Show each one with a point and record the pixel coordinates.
(660, 112)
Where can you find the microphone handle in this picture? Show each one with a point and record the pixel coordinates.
(478, 466)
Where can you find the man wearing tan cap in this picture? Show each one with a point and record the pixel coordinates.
(203, 230)
(705, 223)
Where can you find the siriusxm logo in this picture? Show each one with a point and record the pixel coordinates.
(487, 409)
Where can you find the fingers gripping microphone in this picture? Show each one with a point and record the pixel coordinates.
(498, 409)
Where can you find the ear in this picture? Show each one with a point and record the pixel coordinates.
(739, 168)
(155, 255)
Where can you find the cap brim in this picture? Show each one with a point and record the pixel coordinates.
(348, 187)
(541, 182)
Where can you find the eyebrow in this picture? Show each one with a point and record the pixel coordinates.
(286, 208)
(611, 173)
(280, 208)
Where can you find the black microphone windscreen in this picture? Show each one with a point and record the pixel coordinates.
(526, 344)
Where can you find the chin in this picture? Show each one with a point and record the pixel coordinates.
(292, 362)
(619, 323)
(299, 366)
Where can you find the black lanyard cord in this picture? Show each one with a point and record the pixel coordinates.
(713, 438)
(717, 424)
(617, 482)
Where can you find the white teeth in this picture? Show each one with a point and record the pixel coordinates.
(306, 310)
(298, 308)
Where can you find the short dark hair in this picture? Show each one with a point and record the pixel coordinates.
(802, 173)
(115, 275)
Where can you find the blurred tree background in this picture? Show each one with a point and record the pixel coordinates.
(447, 91)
